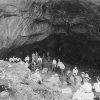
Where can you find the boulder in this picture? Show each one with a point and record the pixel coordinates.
(14, 75)
(53, 82)
(67, 93)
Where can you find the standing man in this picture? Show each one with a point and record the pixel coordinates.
(36, 57)
(54, 65)
(48, 57)
(39, 61)
(43, 60)
(61, 66)
(58, 66)
(75, 71)
(33, 57)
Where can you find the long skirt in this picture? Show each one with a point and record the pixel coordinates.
(79, 95)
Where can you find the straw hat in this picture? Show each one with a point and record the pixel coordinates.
(36, 70)
(82, 72)
(87, 76)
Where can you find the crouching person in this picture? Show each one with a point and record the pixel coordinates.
(37, 76)
(27, 59)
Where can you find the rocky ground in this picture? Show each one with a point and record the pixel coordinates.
(18, 84)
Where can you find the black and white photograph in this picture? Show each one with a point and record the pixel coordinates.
(49, 49)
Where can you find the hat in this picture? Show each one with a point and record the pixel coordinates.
(87, 76)
(36, 70)
(82, 72)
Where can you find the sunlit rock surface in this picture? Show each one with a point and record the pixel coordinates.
(19, 85)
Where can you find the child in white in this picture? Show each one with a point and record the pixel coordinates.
(75, 71)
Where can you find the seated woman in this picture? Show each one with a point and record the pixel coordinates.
(85, 91)
(96, 88)
(37, 76)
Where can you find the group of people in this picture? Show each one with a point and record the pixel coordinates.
(36, 59)
(88, 91)
(85, 89)
(80, 80)
(56, 66)
(42, 62)
(14, 59)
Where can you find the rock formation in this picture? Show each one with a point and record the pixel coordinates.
(18, 84)
(24, 22)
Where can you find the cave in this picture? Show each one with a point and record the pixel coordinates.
(73, 49)
(67, 29)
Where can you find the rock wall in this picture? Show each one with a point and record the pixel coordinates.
(28, 21)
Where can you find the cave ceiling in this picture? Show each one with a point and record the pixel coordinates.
(29, 21)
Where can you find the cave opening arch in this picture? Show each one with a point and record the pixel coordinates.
(72, 49)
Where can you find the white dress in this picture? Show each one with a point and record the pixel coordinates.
(97, 87)
(84, 92)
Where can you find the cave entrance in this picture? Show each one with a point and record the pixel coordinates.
(71, 49)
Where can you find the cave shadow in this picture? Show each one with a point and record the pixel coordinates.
(70, 49)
